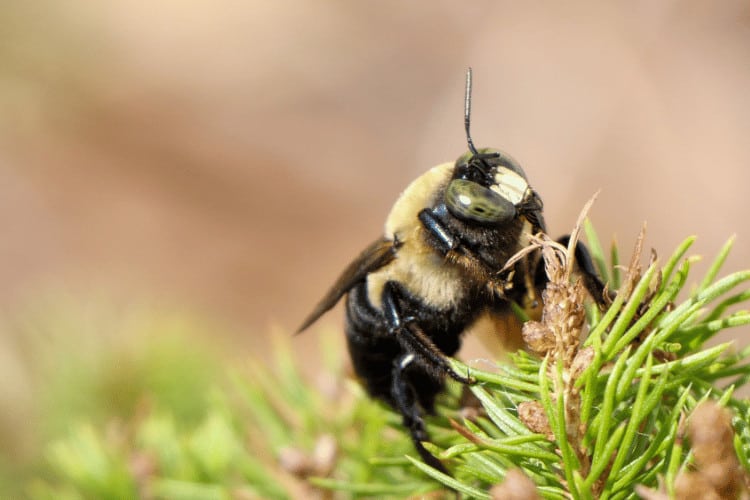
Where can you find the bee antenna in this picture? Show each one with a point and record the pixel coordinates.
(476, 155)
(467, 113)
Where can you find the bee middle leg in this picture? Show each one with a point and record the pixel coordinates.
(413, 339)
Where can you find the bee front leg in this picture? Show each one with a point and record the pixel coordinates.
(450, 245)
(413, 339)
(431, 221)
(591, 279)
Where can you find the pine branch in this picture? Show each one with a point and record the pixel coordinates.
(606, 404)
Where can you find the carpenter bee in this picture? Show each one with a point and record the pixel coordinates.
(412, 293)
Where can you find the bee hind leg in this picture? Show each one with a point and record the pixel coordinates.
(406, 402)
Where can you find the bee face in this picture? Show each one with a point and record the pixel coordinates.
(487, 188)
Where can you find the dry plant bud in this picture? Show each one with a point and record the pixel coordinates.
(142, 466)
(646, 493)
(563, 313)
(711, 437)
(330, 386)
(470, 406)
(634, 271)
(325, 454)
(319, 463)
(538, 337)
(694, 486)
(718, 474)
(296, 462)
(469, 413)
(710, 432)
(583, 360)
(558, 337)
(532, 414)
(517, 486)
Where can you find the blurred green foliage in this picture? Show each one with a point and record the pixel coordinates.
(86, 367)
(135, 404)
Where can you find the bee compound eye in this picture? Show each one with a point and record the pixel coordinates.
(468, 200)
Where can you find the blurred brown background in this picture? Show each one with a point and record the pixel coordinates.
(231, 157)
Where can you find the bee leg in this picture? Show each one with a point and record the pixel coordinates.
(450, 245)
(430, 220)
(413, 339)
(591, 279)
(404, 395)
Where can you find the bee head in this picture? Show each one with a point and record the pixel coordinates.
(487, 186)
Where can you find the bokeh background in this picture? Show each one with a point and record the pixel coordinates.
(226, 160)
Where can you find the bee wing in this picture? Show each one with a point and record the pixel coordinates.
(375, 256)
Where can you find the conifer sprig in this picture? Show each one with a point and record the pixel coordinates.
(605, 404)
